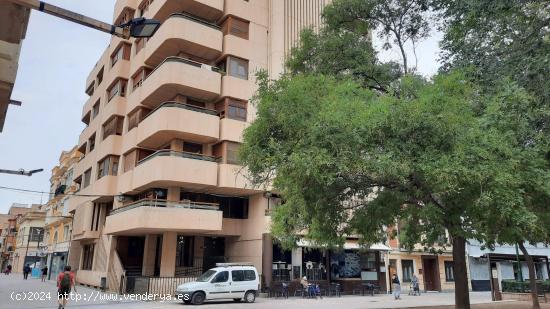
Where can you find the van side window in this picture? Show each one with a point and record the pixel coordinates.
(237, 275)
(222, 276)
(249, 275)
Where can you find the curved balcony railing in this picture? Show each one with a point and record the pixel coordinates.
(196, 19)
(163, 203)
(181, 154)
(182, 106)
(186, 61)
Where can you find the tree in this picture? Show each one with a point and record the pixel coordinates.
(348, 160)
(510, 40)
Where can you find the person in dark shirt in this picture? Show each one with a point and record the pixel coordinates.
(44, 273)
(396, 287)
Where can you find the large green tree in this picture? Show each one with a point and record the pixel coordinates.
(509, 40)
(348, 160)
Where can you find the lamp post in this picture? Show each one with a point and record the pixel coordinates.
(138, 27)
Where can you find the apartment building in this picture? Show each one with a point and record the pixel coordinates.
(9, 233)
(58, 222)
(160, 188)
(29, 240)
(433, 270)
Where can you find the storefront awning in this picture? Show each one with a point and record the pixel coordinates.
(350, 245)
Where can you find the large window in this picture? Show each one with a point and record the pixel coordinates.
(87, 257)
(136, 116)
(122, 52)
(185, 251)
(235, 67)
(236, 27)
(228, 151)
(222, 276)
(192, 147)
(86, 178)
(91, 143)
(408, 270)
(449, 271)
(107, 166)
(99, 76)
(113, 126)
(95, 109)
(140, 44)
(132, 158)
(139, 77)
(118, 88)
(232, 109)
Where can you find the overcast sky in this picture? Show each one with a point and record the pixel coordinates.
(55, 60)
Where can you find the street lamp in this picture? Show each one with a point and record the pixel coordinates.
(138, 27)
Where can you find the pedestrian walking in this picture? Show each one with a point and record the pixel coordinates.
(26, 271)
(8, 269)
(396, 287)
(65, 281)
(44, 273)
(415, 286)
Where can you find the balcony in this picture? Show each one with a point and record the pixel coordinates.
(173, 168)
(210, 10)
(187, 34)
(173, 120)
(178, 76)
(235, 177)
(234, 45)
(157, 216)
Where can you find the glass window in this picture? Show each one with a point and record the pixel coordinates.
(95, 109)
(408, 270)
(113, 127)
(66, 233)
(91, 143)
(222, 276)
(236, 27)
(87, 257)
(249, 275)
(123, 52)
(118, 88)
(107, 166)
(237, 275)
(449, 271)
(86, 178)
(192, 147)
(139, 77)
(206, 276)
(232, 153)
(100, 76)
(238, 67)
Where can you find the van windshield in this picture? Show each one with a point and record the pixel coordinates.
(206, 276)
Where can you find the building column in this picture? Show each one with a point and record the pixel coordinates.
(267, 259)
(168, 255)
(148, 267)
(173, 194)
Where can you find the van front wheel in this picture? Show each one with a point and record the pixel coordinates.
(198, 298)
(250, 296)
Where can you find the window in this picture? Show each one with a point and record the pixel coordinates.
(136, 116)
(408, 270)
(126, 15)
(236, 27)
(87, 257)
(95, 217)
(222, 276)
(118, 88)
(185, 251)
(107, 166)
(86, 178)
(249, 275)
(232, 207)
(95, 109)
(82, 149)
(140, 44)
(55, 237)
(90, 89)
(232, 108)
(139, 77)
(99, 76)
(86, 119)
(113, 126)
(232, 153)
(237, 67)
(192, 147)
(122, 52)
(144, 7)
(132, 158)
(91, 143)
(66, 233)
(78, 182)
(243, 275)
(449, 271)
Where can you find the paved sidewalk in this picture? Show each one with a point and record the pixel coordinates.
(13, 287)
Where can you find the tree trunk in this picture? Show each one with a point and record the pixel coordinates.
(532, 275)
(462, 294)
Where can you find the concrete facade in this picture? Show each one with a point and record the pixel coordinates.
(160, 189)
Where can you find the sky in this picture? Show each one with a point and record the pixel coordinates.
(55, 60)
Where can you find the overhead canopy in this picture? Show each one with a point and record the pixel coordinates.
(349, 244)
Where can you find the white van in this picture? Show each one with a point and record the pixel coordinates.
(235, 281)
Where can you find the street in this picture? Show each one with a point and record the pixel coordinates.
(14, 290)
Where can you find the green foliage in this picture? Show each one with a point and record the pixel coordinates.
(523, 286)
